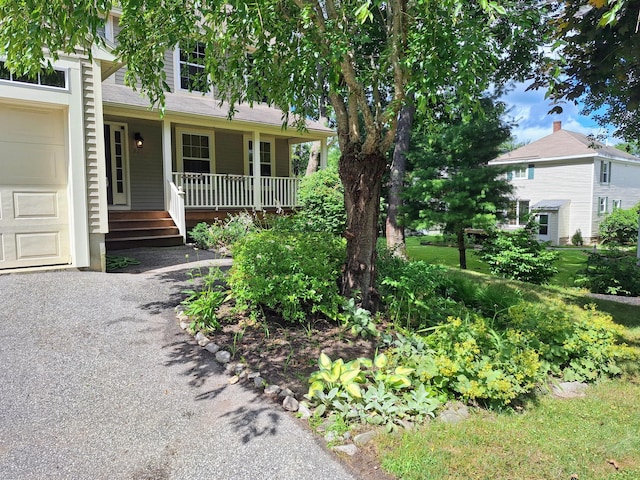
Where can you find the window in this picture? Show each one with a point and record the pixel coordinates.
(265, 158)
(616, 205)
(520, 172)
(543, 221)
(196, 153)
(605, 172)
(191, 67)
(46, 77)
(602, 205)
(518, 212)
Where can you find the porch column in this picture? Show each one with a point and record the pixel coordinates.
(257, 183)
(324, 153)
(166, 161)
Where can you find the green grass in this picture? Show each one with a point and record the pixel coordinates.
(548, 438)
(554, 440)
(570, 262)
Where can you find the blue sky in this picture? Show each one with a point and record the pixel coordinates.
(529, 110)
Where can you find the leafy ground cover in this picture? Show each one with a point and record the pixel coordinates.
(441, 335)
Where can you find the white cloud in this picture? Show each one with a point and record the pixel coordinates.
(529, 110)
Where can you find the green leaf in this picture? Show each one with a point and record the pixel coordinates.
(324, 361)
(354, 390)
(380, 361)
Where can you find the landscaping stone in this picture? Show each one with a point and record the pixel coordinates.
(233, 380)
(569, 390)
(290, 404)
(304, 411)
(349, 449)
(223, 357)
(212, 347)
(454, 412)
(253, 375)
(258, 382)
(364, 438)
(239, 368)
(184, 324)
(272, 390)
(285, 392)
(330, 436)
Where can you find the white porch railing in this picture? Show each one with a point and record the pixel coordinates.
(176, 208)
(204, 190)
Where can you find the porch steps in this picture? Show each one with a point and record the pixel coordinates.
(148, 228)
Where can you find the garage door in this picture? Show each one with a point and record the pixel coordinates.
(34, 210)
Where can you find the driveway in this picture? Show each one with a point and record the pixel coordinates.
(99, 382)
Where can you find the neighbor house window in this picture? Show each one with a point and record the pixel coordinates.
(605, 172)
(518, 212)
(196, 153)
(602, 205)
(616, 205)
(193, 76)
(543, 221)
(520, 172)
(46, 77)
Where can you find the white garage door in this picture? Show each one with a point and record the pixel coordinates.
(34, 211)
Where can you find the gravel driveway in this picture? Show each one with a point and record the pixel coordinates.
(99, 382)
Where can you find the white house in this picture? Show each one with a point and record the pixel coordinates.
(87, 166)
(570, 181)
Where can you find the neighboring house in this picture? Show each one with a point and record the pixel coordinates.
(86, 166)
(570, 182)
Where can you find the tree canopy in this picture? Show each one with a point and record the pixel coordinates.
(364, 56)
(599, 45)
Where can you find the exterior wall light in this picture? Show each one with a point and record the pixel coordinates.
(139, 140)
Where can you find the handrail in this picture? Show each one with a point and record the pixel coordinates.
(176, 208)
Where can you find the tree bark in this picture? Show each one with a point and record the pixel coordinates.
(462, 249)
(394, 232)
(361, 175)
(314, 158)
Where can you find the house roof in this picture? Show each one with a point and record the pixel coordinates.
(193, 104)
(549, 205)
(562, 144)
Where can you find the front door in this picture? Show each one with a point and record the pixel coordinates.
(116, 154)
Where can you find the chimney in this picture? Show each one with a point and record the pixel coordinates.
(557, 125)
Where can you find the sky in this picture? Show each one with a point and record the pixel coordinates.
(530, 110)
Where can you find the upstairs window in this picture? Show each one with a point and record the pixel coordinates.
(521, 172)
(191, 67)
(602, 205)
(605, 172)
(46, 77)
(616, 205)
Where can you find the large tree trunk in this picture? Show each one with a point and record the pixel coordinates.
(462, 249)
(394, 232)
(361, 175)
(314, 158)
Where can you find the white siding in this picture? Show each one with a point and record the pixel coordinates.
(558, 181)
(624, 186)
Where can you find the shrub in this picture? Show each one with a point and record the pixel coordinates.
(518, 255)
(415, 296)
(293, 274)
(321, 196)
(620, 227)
(576, 239)
(204, 300)
(223, 233)
(574, 343)
(613, 272)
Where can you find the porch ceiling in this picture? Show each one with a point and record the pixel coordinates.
(190, 104)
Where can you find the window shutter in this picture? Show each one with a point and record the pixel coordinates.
(509, 175)
(530, 172)
(609, 176)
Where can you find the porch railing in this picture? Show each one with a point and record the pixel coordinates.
(204, 190)
(176, 208)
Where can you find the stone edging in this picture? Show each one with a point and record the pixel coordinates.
(240, 372)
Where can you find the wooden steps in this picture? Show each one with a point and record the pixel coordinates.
(143, 228)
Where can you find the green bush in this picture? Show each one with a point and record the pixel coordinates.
(204, 300)
(224, 233)
(321, 197)
(518, 255)
(613, 272)
(294, 274)
(574, 343)
(576, 239)
(620, 227)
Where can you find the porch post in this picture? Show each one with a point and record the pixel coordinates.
(257, 183)
(166, 161)
(324, 151)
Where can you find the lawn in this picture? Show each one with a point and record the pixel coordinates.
(571, 260)
(595, 437)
